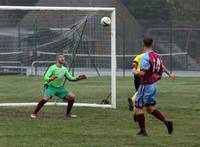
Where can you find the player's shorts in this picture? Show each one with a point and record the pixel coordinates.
(60, 92)
(146, 95)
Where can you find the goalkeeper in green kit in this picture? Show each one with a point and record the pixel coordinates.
(54, 85)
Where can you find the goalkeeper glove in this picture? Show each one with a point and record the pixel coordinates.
(52, 78)
(81, 77)
(46, 85)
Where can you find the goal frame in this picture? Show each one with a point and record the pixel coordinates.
(113, 53)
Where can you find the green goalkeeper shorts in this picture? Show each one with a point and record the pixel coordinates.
(60, 92)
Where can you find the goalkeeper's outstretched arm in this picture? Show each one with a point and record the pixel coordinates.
(81, 77)
(70, 77)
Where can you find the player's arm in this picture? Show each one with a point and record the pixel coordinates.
(48, 77)
(135, 65)
(144, 66)
(171, 75)
(70, 77)
(134, 68)
(141, 73)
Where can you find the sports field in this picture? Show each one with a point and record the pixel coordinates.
(179, 99)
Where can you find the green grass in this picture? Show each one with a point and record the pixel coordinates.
(29, 89)
(179, 100)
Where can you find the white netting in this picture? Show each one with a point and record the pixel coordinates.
(30, 40)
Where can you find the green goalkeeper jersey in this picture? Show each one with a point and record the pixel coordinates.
(62, 73)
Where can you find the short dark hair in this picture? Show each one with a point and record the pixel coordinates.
(58, 54)
(148, 41)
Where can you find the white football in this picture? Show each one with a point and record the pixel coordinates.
(105, 21)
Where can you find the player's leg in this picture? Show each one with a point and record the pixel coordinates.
(139, 104)
(131, 101)
(39, 106)
(137, 82)
(49, 91)
(156, 113)
(150, 101)
(68, 97)
(159, 115)
(71, 99)
(141, 121)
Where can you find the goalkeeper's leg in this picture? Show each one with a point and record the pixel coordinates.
(39, 106)
(71, 99)
(133, 101)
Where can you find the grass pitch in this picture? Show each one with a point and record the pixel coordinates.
(179, 100)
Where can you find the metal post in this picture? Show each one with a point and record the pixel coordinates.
(124, 45)
(19, 37)
(187, 46)
(74, 41)
(35, 44)
(187, 60)
(19, 45)
(171, 45)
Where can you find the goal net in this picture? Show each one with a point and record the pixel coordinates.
(32, 36)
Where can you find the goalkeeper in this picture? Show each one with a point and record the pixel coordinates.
(54, 85)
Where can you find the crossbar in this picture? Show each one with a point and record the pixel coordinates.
(57, 8)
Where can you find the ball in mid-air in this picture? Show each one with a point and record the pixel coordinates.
(105, 21)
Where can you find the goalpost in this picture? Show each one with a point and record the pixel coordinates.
(32, 36)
